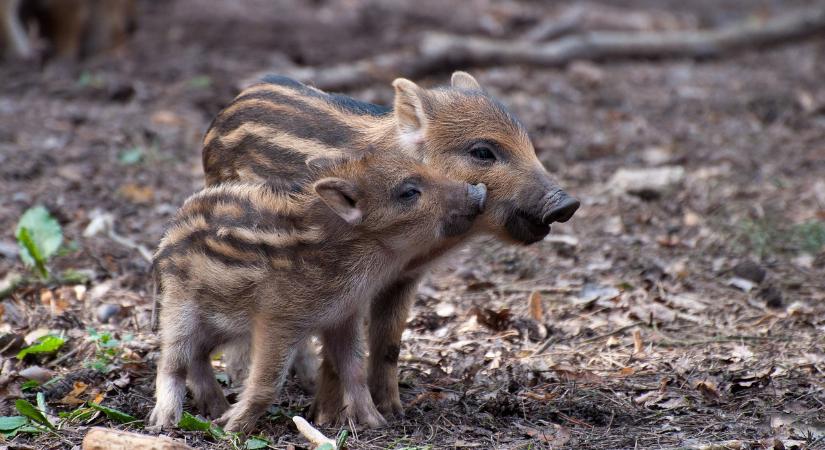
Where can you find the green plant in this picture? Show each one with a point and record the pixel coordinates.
(39, 237)
(114, 414)
(809, 236)
(188, 422)
(46, 344)
(107, 351)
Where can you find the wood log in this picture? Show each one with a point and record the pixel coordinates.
(99, 438)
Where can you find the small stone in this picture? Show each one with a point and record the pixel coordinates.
(741, 284)
(106, 311)
(37, 373)
(750, 270)
(445, 309)
(647, 183)
(9, 250)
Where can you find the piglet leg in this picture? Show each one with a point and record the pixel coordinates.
(272, 347)
(343, 349)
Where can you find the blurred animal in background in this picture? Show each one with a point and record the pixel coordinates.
(70, 29)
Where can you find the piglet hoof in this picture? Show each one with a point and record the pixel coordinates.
(325, 409)
(237, 420)
(391, 408)
(212, 408)
(164, 417)
(364, 413)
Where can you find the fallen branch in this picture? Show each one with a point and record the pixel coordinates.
(439, 52)
(110, 439)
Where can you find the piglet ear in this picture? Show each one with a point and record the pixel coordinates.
(463, 80)
(409, 111)
(342, 197)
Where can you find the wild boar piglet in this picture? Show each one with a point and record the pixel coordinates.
(248, 262)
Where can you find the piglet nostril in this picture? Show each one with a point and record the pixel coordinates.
(562, 211)
(478, 195)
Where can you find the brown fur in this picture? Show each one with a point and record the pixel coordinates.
(252, 263)
(442, 127)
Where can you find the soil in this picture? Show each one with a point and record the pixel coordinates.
(676, 316)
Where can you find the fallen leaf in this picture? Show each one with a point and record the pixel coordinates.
(536, 309)
(137, 194)
(655, 312)
(741, 353)
(494, 320)
(708, 389)
(556, 436)
(638, 345)
(626, 371)
(566, 373)
(72, 398)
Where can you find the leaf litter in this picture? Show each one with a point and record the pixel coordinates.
(623, 329)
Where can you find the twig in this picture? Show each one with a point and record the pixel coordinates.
(438, 52)
(717, 340)
(66, 356)
(128, 243)
(612, 333)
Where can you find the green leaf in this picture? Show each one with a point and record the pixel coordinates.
(80, 414)
(71, 276)
(114, 414)
(41, 403)
(341, 440)
(30, 411)
(39, 237)
(9, 423)
(256, 443)
(24, 429)
(28, 385)
(29, 252)
(325, 446)
(131, 156)
(188, 422)
(46, 344)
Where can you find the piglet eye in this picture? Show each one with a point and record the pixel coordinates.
(482, 152)
(410, 193)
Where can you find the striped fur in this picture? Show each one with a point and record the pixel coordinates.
(280, 126)
(251, 262)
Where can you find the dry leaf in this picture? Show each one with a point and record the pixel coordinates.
(137, 194)
(556, 436)
(72, 398)
(626, 371)
(638, 345)
(494, 320)
(709, 390)
(536, 309)
(567, 373)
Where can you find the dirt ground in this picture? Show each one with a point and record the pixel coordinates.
(644, 322)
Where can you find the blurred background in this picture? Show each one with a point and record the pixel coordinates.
(693, 132)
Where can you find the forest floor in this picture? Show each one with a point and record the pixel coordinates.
(686, 314)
